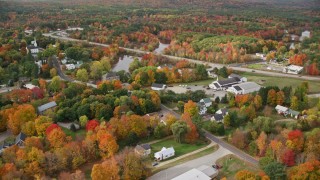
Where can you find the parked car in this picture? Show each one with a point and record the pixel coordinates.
(155, 163)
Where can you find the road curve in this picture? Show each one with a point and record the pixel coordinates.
(242, 69)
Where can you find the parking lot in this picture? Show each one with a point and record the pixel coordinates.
(185, 88)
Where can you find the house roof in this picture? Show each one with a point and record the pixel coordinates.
(295, 68)
(248, 86)
(218, 117)
(216, 85)
(157, 85)
(223, 111)
(192, 175)
(281, 108)
(21, 137)
(206, 100)
(32, 47)
(47, 106)
(234, 76)
(164, 150)
(293, 112)
(145, 146)
(228, 81)
(237, 88)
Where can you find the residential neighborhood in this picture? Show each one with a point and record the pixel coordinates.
(159, 90)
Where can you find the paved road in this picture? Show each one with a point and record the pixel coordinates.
(276, 74)
(182, 168)
(232, 149)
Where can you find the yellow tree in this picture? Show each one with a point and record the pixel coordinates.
(41, 124)
(23, 114)
(191, 108)
(57, 138)
(29, 128)
(108, 145)
(108, 170)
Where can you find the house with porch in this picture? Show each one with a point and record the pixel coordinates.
(165, 153)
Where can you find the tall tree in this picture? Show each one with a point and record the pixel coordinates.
(179, 129)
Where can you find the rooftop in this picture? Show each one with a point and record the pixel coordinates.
(229, 81)
(281, 108)
(193, 174)
(248, 85)
(47, 106)
(218, 117)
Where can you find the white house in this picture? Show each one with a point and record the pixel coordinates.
(143, 149)
(165, 153)
(293, 69)
(29, 86)
(33, 48)
(70, 66)
(158, 87)
(262, 56)
(304, 35)
(207, 102)
(282, 110)
(244, 88)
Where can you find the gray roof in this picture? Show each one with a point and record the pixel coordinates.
(145, 146)
(207, 100)
(21, 137)
(293, 112)
(234, 76)
(218, 117)
(237, 88)
(228, 81)
(248, 85)
(47, 106)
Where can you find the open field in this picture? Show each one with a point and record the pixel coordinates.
(280, 82)
(180, 149)
(231, 165)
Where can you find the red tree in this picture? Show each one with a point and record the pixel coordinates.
(91, 125)
(52, 127)
(288, 157)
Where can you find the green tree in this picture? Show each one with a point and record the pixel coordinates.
(105, 62)
(55, 84)
(226, 120)
(275, 170)
(179, 129)
(96, 69)
(82, 75)
(83, 120)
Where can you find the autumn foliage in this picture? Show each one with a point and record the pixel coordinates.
(91, 125)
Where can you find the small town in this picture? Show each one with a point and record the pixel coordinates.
(160, 90)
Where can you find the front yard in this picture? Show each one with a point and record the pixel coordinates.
(180, 149)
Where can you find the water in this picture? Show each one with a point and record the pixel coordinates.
(161, 47)
(124, 63)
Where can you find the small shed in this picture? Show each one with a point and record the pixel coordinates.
(46, 107)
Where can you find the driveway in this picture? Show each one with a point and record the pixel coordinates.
(182, 168)
(5, 135)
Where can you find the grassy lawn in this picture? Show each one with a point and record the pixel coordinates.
(280, 81)
(256, 66)
(180, 149)
(231, 166)
(185, 159)
(79, 133)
